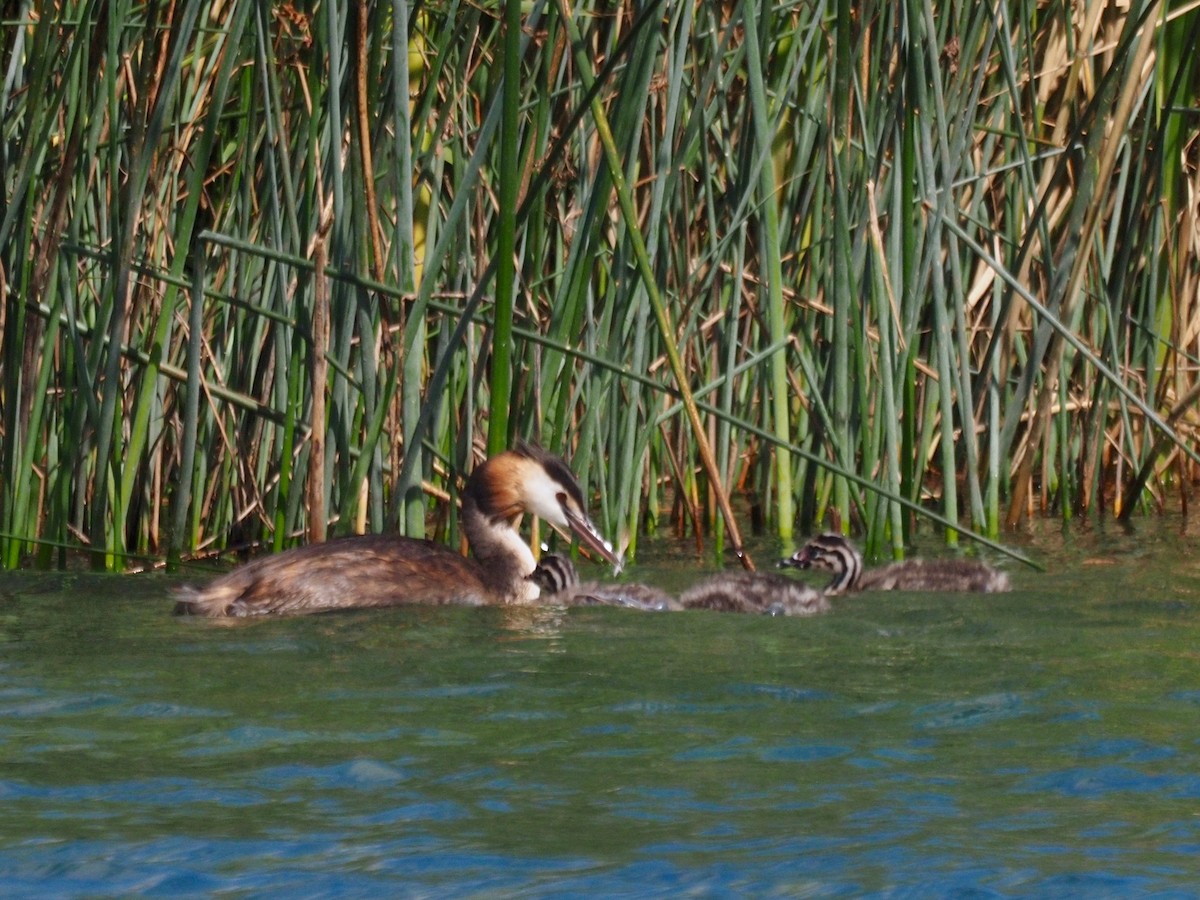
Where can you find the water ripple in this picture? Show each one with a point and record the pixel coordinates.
(1100, 781)
(974, 712)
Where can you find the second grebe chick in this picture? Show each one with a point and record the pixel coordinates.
(369, 571)
(559, 582)
(754, 592)
(835, 554)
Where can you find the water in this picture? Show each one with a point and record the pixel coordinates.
(1045, 742)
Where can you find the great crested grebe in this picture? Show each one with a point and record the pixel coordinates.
(559, 583)
(383, 570)
(835, 554)
(754, 592)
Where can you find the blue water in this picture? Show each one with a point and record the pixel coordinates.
(1045, 742)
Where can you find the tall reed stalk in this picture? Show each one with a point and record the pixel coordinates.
(267, 272)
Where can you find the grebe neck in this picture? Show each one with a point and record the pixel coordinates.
(504, 560)
(846, 564)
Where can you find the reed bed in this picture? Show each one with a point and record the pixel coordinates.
(276, 272)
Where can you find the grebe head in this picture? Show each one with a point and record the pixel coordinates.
(528, 479)
(833, 553)
(555, 574)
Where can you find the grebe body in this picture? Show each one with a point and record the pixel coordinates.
(381, 570)
(559, 582)
(754, 592)
(740, 592)
(835, 554)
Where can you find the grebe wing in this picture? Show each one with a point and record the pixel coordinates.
(936, 575)
(348, 573)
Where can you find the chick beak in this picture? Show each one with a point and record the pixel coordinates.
(798, 560)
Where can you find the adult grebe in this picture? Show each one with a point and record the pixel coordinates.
(559, 582)
(835, 554)
(754, 592)
(384, 570)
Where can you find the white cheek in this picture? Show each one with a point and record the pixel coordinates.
(541, 499)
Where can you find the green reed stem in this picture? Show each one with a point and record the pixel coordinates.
(646, 271)
(506, 243)
(772, 256)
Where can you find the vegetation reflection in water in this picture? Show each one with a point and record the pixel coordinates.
(1040, 740)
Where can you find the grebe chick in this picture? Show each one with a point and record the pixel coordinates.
(835, 554)
(559, 582)
(751, 592)
(369, 571)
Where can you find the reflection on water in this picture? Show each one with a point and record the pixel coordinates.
(1040, 742)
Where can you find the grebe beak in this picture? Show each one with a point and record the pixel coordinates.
(798, 560)
(591, 538)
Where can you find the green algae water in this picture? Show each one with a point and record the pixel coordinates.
(1043, 742)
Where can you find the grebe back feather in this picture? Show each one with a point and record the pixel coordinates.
(559, 582)
(755, 592)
